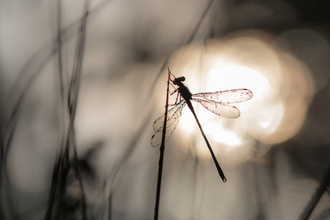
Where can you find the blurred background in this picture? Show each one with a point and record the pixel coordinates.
(83, 81)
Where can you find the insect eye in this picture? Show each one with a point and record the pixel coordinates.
(182, 78)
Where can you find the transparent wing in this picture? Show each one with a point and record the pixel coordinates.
(227, 111)
(173, 118)
(226, 96)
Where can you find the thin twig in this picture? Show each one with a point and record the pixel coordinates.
(190, 38)
(192, 35)
(73, 99)
(162, 150)
(27, 77)
(130, 148)
(56, 168)
(316, 197)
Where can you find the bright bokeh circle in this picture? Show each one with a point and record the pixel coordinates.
(281, 85)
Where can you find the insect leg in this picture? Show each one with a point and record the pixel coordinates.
(174, 91)
(176, 100)
(172, 75)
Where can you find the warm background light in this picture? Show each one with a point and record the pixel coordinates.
(281, 85)
(275, 156)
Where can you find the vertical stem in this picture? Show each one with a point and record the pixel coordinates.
(324, 183)
(222, 175)
(54, 183)
(162, 149)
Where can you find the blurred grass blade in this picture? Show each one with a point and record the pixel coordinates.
(73, 99)
(30, 72)
(316, 197)
(190, 38)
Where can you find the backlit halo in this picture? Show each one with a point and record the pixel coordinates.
(281, 86)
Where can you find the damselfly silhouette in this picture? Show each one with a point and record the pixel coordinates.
(216, 102)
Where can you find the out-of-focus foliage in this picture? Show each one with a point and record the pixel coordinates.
(281, 45)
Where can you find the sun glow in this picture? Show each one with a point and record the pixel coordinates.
(280, 85)
(222, 135)
(224, 77)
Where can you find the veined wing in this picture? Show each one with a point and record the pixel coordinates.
(173, 118)
(218, 108)
(226, 96)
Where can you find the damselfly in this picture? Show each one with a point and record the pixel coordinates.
(216, 102)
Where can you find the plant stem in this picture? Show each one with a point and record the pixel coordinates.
(162, 150)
